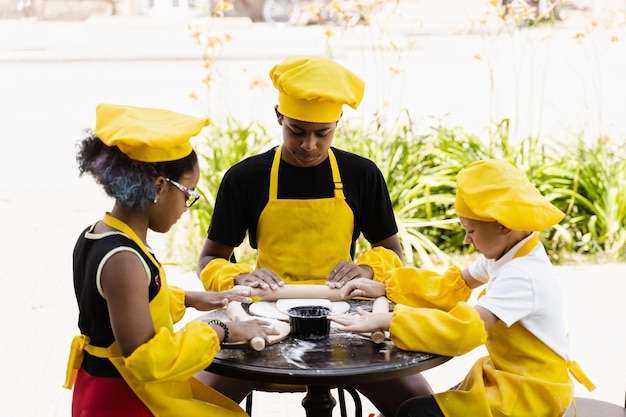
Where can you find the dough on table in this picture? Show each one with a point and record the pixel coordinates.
(278, 309)
(267, 309)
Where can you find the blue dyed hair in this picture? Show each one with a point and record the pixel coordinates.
(131, 183)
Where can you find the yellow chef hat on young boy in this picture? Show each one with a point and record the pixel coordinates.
(495, 191)
(146, 134)
(315, 88)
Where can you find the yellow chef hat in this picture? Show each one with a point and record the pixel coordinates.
(494, 190)
(315, 88)
(146, 134)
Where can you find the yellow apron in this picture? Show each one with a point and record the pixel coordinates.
(521, 377)
(302, 240)
(160, 372)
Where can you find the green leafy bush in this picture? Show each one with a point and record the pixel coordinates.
(420, 165)
(223, 146)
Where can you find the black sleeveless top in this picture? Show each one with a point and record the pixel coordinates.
(93, 320)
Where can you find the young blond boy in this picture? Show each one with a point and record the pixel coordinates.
(518, 316)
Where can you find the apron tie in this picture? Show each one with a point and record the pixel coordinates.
(75, 360)
(100, 352)
(80, 344)
(579, 375)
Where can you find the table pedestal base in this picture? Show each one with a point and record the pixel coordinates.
(318, 402)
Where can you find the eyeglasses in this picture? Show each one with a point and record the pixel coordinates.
(191, 196)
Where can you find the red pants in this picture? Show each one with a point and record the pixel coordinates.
(105, 397)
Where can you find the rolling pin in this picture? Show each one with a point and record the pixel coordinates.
(295, 291)
(381, 305)
(236, 312)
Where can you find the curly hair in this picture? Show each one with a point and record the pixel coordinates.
(129, 182)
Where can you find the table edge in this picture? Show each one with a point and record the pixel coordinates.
(317, 377)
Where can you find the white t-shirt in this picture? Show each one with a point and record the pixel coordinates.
(525, 289)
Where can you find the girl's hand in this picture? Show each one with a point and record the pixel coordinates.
(364, 322)
(367, 287)
(243, 331)
(210, 300)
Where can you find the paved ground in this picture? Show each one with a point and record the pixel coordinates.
(52, 75)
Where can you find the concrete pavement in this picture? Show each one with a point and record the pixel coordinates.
(53, 74)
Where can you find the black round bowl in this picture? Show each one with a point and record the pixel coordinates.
(309, 322)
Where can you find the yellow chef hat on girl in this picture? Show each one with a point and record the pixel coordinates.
(315, 88)
(146, 134)
(495, 191)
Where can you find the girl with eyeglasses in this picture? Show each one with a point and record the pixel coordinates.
(128, 360)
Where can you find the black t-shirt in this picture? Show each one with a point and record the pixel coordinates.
(244, 193)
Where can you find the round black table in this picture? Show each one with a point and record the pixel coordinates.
(342, 359)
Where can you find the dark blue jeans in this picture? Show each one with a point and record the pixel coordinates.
(420, 407)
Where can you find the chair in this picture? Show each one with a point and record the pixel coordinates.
(586, 407)
(358, 410)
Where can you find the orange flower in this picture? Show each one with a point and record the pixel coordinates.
(335, 5)
(258, 83)
(193, 95)
(329, 33)
(614, 39)
(579, 36)
(213, 41)
(478, 57)
(223, 6)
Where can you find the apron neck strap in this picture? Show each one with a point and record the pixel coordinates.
(336, 175)
(338, 185)
(528, 246)
(126, 229)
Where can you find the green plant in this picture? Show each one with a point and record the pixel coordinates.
(593, 183)
(588, 183)
(221, 147)
(421, 191)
